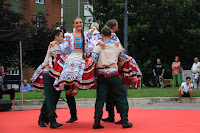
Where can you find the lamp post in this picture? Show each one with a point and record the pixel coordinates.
(20, 45)
(126, 31)
(79, 6)
(126, 27)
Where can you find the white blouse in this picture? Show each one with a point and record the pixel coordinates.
(72, 43)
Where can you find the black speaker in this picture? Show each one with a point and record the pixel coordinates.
(5, 105)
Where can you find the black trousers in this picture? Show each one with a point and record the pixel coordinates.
(71, 103)
(110, 104)
(51, 98)
(113, 86)
(11, 92)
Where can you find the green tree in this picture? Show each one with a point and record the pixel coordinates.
(156, 28)
(34, 40)
(9, 53)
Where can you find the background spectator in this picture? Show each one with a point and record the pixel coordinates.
(26, 86)
(158, 70)
(176, 71)
(3, 88)
(195, 72)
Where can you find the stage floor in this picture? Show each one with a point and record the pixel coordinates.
(144, 121)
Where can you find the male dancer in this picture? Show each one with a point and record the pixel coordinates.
(113, 24)
(48, 113)
(108, 80)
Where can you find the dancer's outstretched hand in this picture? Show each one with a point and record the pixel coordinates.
(102, 44)
(68, 92)
(52, 44)
(116, 44)
(74, 92)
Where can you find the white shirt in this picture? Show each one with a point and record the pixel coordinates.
(186, 87)
(107, 58)
(196, 67)
(72, 43)
(45, 64)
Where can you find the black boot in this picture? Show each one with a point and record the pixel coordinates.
(72, 119)
(119, 122)
(72, 106)
(73, 113)
(125, 123)
(41, 123)
(53, 123)
(110, 117)
(97, 124)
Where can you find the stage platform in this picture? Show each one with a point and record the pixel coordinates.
(144, 121)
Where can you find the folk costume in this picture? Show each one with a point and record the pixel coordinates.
(130, 71)
(37, 79)
(129, 74)
(108, 81)
(75, 70)
(42, 79)
(94, 37)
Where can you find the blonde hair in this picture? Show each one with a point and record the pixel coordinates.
(94, 24)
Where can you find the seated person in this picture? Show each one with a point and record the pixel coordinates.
(3, 88)
(26, 86)
(186, 90)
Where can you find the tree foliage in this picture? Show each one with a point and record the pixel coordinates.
(35, 43)
(156, 29)
(34, 40)
(8, 51)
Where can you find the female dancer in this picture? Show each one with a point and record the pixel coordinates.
(70, 99)
(68, 47)
(78, 70)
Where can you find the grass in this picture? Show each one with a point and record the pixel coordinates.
(132, 93)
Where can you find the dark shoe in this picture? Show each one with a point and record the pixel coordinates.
(41, 123)
(97, 124)
(119, 122)
(53, 123)
(72, 119)
(125, 123)
(109, 119)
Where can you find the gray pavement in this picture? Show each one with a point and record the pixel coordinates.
(145, 103)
